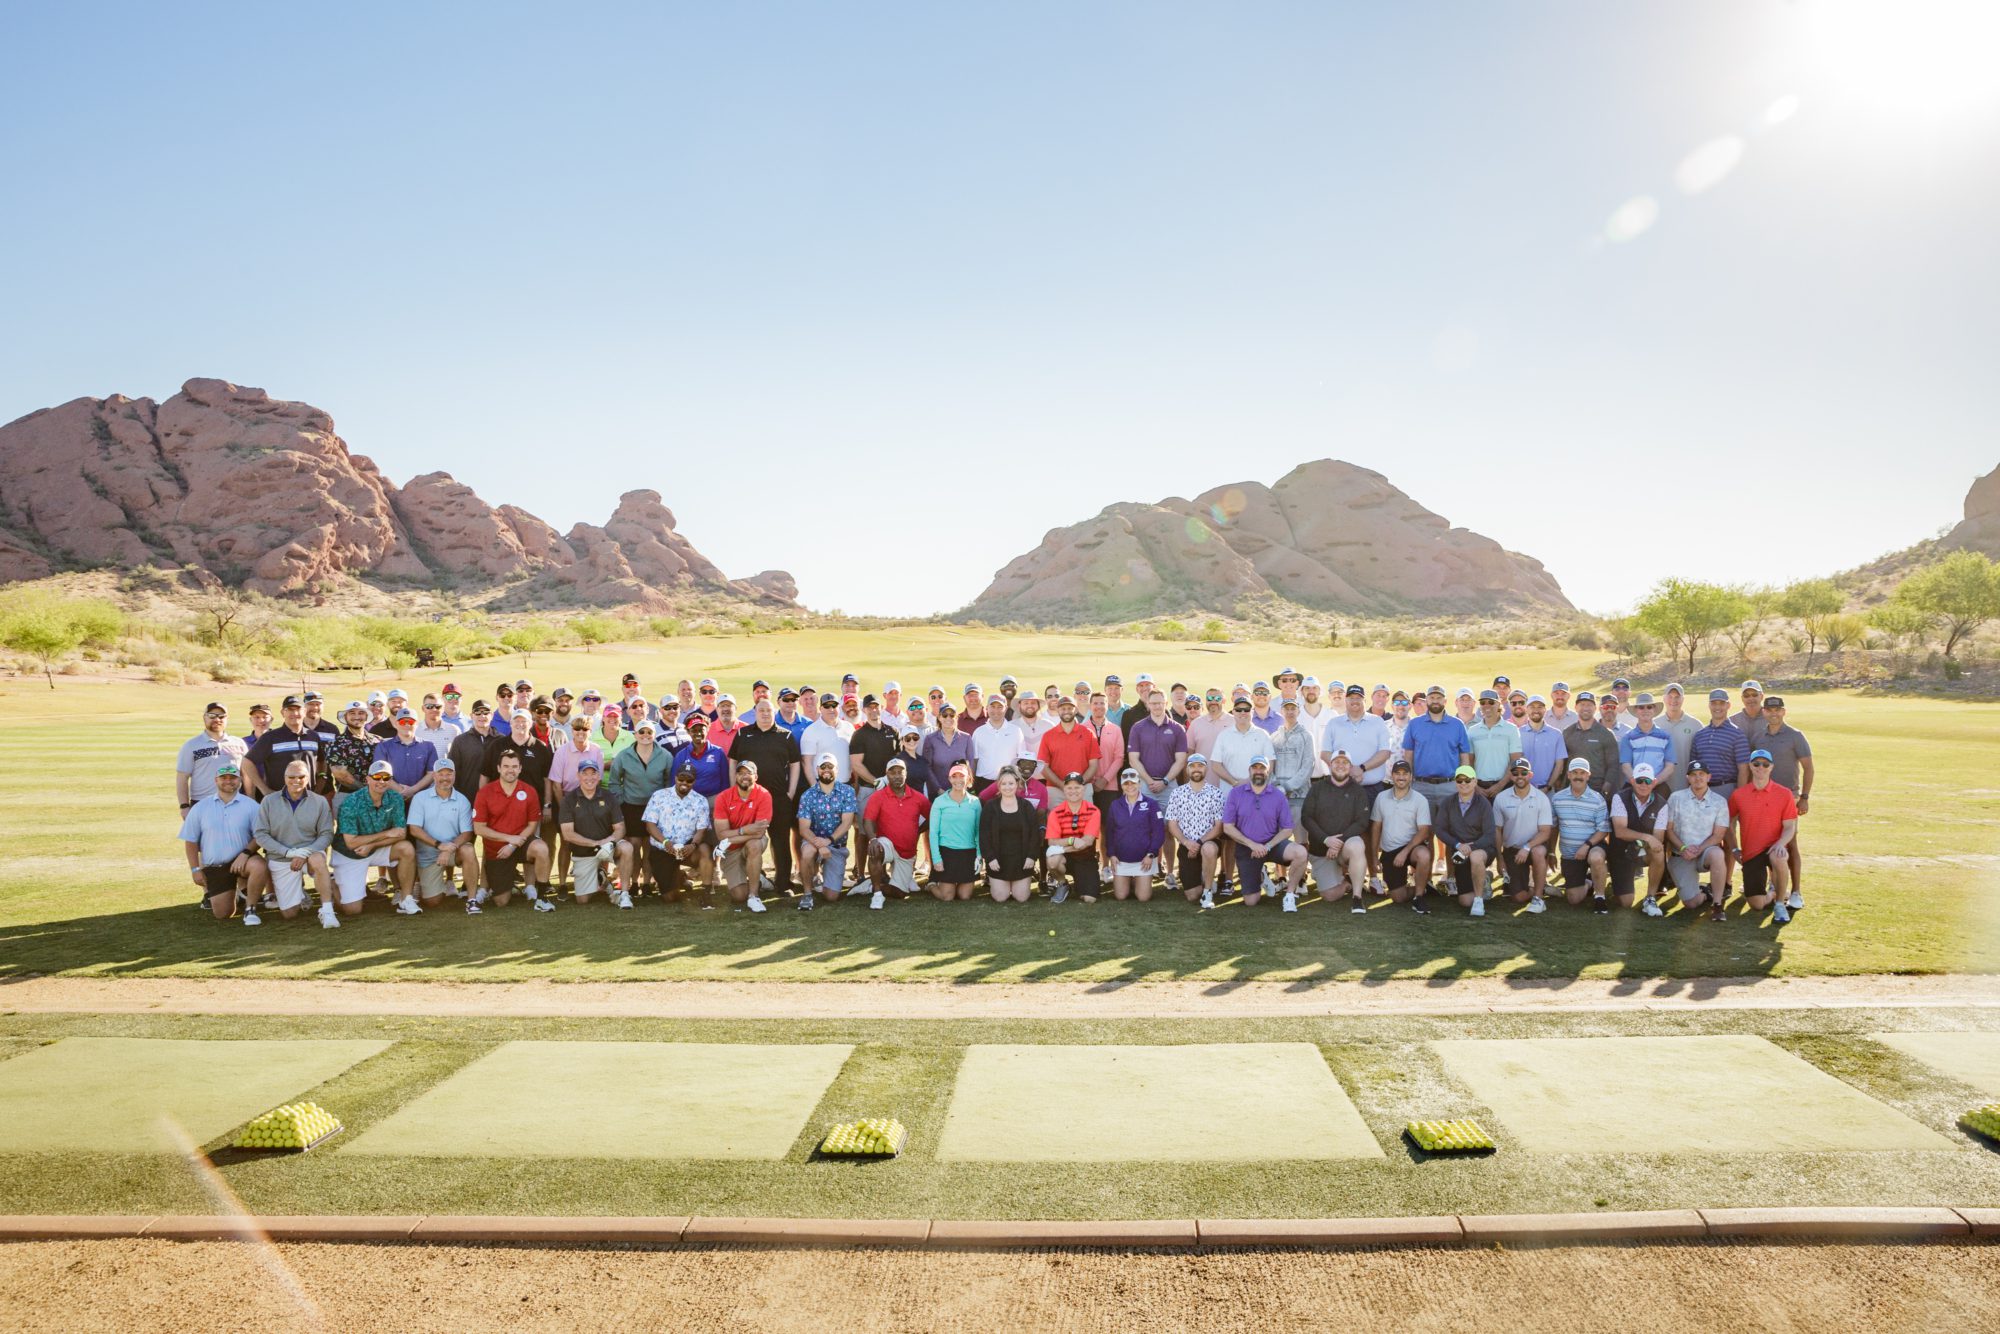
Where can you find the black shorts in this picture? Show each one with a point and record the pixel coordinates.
(669, 872)
(500, 871)
(959, 866)
(220, 880)
(1190, 862)
(1394, 874)
(1251, 867)
(1461, 875)
(1520, 875)
(1757, 873)
(1576, 871)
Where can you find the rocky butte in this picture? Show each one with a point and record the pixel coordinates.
(263, 494)
(1329, 535)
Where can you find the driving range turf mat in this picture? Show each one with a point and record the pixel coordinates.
(615, 1100)
(1221, 1102)
(108, 1094)
(1970, 1058)
(1711, 1094)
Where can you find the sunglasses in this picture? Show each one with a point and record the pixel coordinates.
(1760, 764)
(378, 778)
(1241, 708)
(1461, 780)
(1215, 699)
(708, 690)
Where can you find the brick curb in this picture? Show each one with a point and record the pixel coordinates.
(1840, 1224)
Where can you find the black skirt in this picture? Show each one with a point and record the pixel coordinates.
(959, 867)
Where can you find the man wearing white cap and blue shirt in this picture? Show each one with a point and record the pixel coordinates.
(827, 812)
(220, 835)
(1645, 744)
(441, 832)
(1583, 828)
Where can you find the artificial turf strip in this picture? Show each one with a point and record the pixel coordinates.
(616, 1100)
(109, 1094)
(1216, 1102)
(1643, 1094)
(1970, 1058)
(1385, 1063)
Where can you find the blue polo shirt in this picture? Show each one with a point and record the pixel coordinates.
(410, 763)
(1655, 748)
(1544, 750)
(221, 829)
(1722, 747)
(1434, 748)
(711, 768)
(797, 726)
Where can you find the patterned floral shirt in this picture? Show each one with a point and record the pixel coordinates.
(1197, 809)
(679, 818)
(825, 808)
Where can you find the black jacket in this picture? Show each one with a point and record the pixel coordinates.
(1473, 826)
(1334, 810)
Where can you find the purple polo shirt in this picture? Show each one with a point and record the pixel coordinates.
(1156, 744)
(1133, 830)
(1257, 816)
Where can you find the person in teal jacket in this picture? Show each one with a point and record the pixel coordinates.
(955, 837)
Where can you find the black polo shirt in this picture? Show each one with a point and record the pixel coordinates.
(277, 748)
(774, 752)
(593, 816)
(876, 744)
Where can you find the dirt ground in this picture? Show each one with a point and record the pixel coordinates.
(214, 1287)
(935, 1000)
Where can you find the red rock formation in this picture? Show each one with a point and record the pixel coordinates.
(1329, 535)
(1980, 530)
(264, 494)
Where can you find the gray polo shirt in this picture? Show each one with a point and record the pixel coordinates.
(1788, 746)
(281, 826)
(1400, 819)
(1683, 734)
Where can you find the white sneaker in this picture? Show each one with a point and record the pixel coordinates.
(1208, 898)
(1780, 913)
(542, 905)
(1291, 902)
(876, 900)
(1537, 906)
(251, 918)
(755, 904)
(1796, 901)
(1651, 907)
(623, 899)
(1479, 907)
(480, 897)
(408, 908)
(327, 917)
(1378, 884)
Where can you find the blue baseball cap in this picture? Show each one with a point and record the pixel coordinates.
(1763, 755)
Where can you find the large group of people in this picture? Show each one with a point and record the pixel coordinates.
(1274, 789)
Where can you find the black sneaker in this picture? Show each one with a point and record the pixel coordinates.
(1417, 906)
(1600, 905)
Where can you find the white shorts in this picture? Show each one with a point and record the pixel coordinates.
(1057, 850)
(350, 874)
(288, 885)
(902, 871)
(585, 869)
(1129, 868)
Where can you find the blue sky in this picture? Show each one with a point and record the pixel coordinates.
(975, 272)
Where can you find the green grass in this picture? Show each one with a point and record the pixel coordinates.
(1386, 1067)
(1903, 844)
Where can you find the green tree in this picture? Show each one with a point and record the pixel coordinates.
(593, 629)
(1683, 613)
(1629, 639)
(1903, 623)
(1760, 605)
(1810, 602)
(525, 639)
(1959, 594)
(1214, 632)
(44, 631)
(1842, 630)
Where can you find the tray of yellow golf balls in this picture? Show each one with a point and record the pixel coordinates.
(1984, 1121)
(293, 1128)
(1463, 1135)
(871, 1137)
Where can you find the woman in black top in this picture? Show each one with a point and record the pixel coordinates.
(1010, 834)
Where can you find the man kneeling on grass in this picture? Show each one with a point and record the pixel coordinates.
(1698, 837)
(373, 830)
(593, 829)
(893, 823)
(1400, 828)
(294, 829)
(220, 835)
(1259, 818)
(827, 811)
(679, 833)
(441, 831)
(1767, 819)
(742, 828)
(1336, 818)
(1526, 822)
(1583, 827)
(507, 817)
(1073, 828)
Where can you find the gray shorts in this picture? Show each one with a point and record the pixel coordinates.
(833, 870)
(431, 881)
(1686, 875)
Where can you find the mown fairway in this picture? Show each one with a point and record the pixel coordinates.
(1903, 844)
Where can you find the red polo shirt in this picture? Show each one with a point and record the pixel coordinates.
(740, 810)
(898, 819)
(1071, 752)
(1761, 815)
(507, 813)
